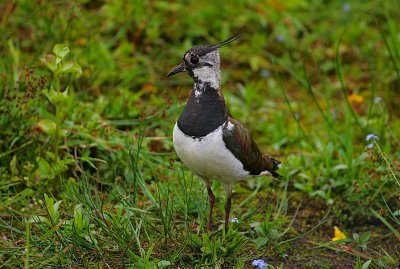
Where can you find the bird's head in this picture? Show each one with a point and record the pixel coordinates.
(202, 63)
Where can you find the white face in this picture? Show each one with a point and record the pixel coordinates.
(206, 69)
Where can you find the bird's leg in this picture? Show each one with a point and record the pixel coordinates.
(228, 206)
(227, 211)
(211, 200)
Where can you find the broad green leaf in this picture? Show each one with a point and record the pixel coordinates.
(366, 264)
(56, 168)
(50, 94)
(70, 67)
(57, 205)
(47, 126)
(356, 236)
(52, 207)
(54, 97)
(13, 165)
(37, 219)
(365, 237)
(48, 200)
(43, 169)
(50, 62)
(164, 263)
(78, 221)
(51, 156)
(340, 167)
(61, 50)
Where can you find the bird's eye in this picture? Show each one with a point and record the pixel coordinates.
(194, 59)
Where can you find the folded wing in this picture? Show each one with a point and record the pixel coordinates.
(239, 141)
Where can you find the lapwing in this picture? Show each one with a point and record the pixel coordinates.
(207, 138)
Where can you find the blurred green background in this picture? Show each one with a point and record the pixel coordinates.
(89, 123)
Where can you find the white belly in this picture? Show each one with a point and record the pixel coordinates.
(208, 156)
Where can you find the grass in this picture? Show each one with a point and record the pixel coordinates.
(89, 177)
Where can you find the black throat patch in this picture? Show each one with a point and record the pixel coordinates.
(204, 113)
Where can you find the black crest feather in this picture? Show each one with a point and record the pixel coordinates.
(233, 38)
(204, 49)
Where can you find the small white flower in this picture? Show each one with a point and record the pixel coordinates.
(265, 73)
(377, 99)
(234, 220)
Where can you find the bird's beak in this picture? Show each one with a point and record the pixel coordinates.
(176, 70)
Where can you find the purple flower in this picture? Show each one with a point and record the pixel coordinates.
(371, 137)
(260, 264)
(334, 114)
(370, 145)
(280, 38)
(346, 7)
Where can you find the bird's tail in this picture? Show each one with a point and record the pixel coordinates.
(276, 175)
(275, 166)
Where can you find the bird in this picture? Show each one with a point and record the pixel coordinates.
(207, 138)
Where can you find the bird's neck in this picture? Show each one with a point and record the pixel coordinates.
(206, 79)
(205, 110)
(209, 75)
(209, 86)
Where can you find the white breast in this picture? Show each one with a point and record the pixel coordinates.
(208, 156)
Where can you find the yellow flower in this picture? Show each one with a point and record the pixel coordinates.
(355, 98)
(339, 235)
